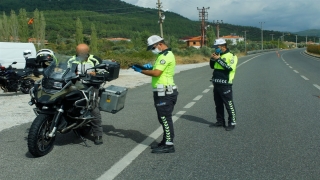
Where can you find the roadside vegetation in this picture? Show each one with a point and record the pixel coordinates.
(314, 49)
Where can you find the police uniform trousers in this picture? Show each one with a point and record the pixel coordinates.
(96, 123)
(223, 97)
(164, 106)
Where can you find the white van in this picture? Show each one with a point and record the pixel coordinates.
(13, 51)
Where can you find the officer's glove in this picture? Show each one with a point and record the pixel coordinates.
(135, 68)
(148, 66)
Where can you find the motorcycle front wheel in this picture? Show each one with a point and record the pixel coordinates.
(26, 85)
(39, 142)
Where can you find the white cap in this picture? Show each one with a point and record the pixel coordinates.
(153, 40)
(219, 41)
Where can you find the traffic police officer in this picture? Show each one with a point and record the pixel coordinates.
(86, 61)
(224, 64)
(165, 91)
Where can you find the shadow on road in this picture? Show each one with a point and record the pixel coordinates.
(132, 134)
(196, 119)
(11, 93)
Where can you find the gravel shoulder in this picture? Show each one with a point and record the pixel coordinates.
(16, 111)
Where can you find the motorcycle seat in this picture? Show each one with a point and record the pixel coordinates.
(23, 72)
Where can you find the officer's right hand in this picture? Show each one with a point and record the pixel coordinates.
(215, 56)
(148, 66)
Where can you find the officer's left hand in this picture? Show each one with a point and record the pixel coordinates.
(92, 73)
(148, 66)
(136, 69)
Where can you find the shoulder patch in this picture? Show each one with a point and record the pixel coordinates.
(162, 61)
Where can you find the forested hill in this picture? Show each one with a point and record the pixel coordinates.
(112, 18)
(88, 5)
(115, 18)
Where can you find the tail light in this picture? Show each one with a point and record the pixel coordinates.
(2, 68)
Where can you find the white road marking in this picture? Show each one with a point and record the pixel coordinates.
(118, 167)
(248, 60)
(317, 86)
(211, 86)
(305, 78)
(197, 98)
(189, 105)
(206, 90)
(296, 71)
(290, 67)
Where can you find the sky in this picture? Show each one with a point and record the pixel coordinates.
(278, 15)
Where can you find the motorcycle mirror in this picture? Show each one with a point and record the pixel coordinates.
(15, 62)
(100, 66)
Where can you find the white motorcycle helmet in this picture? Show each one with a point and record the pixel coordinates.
(27, 54)
(44, 58)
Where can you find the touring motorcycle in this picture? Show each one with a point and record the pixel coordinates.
(13, 80)
(64, 104)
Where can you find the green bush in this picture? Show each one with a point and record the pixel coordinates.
(312, 48)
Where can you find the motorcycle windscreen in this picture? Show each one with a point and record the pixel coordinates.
(60, 71)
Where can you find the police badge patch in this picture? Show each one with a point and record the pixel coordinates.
(162, 61)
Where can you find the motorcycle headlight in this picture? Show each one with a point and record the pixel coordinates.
(57, 85)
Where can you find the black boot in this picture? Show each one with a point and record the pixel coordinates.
(230, 127)
(158, 145)
(218, 124)
(164, 149)
(98, 140)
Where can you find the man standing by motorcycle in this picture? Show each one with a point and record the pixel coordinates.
(84, 60)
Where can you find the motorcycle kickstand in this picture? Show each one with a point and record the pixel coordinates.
(83, 139)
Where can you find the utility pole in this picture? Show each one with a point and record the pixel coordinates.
(271, 37)
(245, 41)
(296, 41)
(218, 27)
(203, 16)
(261, 35)
(161, 17)
(306, 40)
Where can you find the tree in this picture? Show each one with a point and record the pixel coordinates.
(79, 31)
(211, 36)
(42, 27)
(94, 40)
(14, 26)
(1, 30)
(23, 26)
(5, 33)
(36, 27)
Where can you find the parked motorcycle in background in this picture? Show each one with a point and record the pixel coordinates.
(63, 104)
(13, 80)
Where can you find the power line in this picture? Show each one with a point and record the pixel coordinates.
(203, 16)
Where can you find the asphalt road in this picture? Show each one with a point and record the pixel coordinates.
(277, 134)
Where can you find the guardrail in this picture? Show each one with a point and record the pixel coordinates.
(261, 51)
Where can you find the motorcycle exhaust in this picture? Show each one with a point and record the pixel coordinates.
(68, 128)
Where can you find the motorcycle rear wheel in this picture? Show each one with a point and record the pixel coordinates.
(39, 143)
(26, 85)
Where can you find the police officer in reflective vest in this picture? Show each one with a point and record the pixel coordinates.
(165, 91)
(86, 61)
(224, 64)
